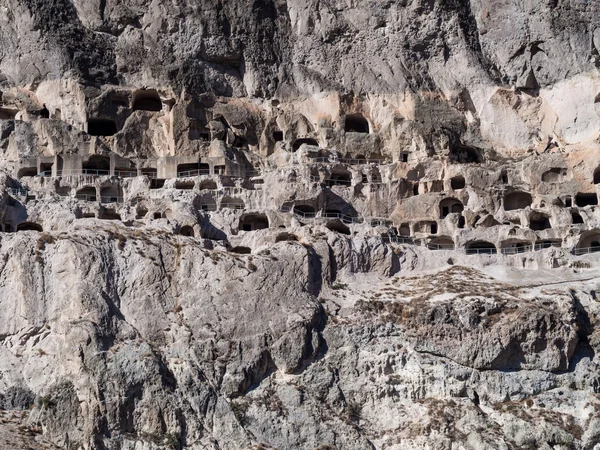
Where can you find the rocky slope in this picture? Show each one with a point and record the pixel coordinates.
(296, 224)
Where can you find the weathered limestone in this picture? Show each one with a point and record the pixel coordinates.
(299, 224)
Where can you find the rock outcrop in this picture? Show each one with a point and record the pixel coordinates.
(299, 225)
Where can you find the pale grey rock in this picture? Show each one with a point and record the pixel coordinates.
(182, 293)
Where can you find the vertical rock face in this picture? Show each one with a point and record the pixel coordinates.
(299, 224)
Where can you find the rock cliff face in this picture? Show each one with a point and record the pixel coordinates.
(286, 224)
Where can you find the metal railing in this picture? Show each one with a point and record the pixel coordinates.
(151, 175)
(359, 162)
(350, 161)
(304, 214)
(111, 199)
(326, 215)
(392, 239)
(193, 173)
(232, 205)
(331, 183)
(377, 222)
(343, 217)
(103, 199)
(76, 172)
(125, 174)
(95, 172)
(585, 251)
(432, 246)
(86, 197)
(210, 208)
(232, 190)
(545, 245)
(516, 250)
(482, 251)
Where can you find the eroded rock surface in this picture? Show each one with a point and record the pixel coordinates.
(296, 224)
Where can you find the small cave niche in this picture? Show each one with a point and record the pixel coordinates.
(27, 172)
(457, 182)
(504, 177)
(241, 250)
(450, 206)
(513, 247)
(597, 175)
(356, 123)
(87, 194)
(184, 185)
(253, 222)
(416, 189)
(205, 203)
(481, 248)
(539, 222)
(141, 212)
(150, 172)
(208, 185)
(97, 165)
(340, 178)
(192, 170)
(147, 100)
(441, 243)
(576, 218)
(338, 226)
(463, 154)
(111, 194)
(404, 230)
(461, 222)
(304, 141)
(590, 241)
(232, 203)
(29, 226)
(157, 183)
(554, 175)
(187, 231)
(426, 227)
(517, 200)
(277, 136)
(108, 214)
(286, 237)
(46, 169)
(8, 114)
(586, 199)
(101, 127)
(404, 157)
(306, 211)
